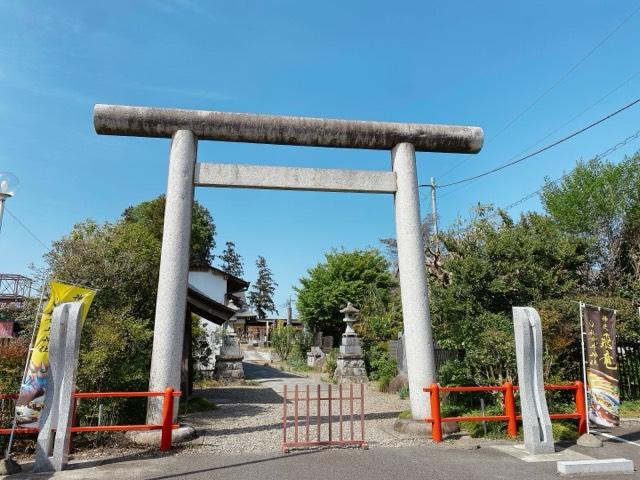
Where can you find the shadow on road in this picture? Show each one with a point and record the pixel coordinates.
(241, 464)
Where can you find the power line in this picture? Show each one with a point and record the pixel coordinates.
(35, 237)
(604, 154)
(540, 150)
(563, 77)
(552, 87)
(600, 100)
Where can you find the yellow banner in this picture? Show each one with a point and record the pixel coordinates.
(33, 388)
(60, 293)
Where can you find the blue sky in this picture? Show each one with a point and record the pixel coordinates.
(475, 63)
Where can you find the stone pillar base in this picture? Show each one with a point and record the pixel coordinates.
(350, 369)
(229, 369)
(420, 428)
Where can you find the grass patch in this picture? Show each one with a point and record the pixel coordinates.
(196, 404)
(298, 364)
(403, 392)
(404, 414)
(251, 383)
(630, 408)
(206, 383)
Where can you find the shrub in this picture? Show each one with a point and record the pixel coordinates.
(283, 341)
(403, 392)
(298, 363)
(379, 364)
(12, 359)
(330, 362)
(564, 430)
(303, 341)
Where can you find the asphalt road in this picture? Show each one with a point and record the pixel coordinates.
(437, 462)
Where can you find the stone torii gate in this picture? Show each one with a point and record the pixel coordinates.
(186, 127)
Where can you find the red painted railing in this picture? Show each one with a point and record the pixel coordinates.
(509, 414)
(167, 415)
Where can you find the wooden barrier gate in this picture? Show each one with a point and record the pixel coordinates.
(321, 408)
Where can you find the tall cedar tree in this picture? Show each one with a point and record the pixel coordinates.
(261, 294)
(231, 260)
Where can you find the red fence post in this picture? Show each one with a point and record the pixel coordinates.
(436, 422)
(167, 420)
(74, 419)
(580, 408)
(510, 410)
(284, 419)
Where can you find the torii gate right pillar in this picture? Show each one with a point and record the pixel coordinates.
(421, 367)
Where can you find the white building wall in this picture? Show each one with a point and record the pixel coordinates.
(212, 284)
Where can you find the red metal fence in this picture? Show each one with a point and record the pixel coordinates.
(313, 417)
(509, 414)
(167, 415)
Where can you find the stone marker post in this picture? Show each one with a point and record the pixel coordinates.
(64, 347)
(421, 367)
(171, 304)
(538, 436)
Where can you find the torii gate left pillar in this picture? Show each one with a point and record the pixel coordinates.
(185, 127)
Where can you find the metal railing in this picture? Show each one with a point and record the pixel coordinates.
(167, 415)
(509, 414)
(321, 408)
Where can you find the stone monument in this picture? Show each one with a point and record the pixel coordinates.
(228, 368)
(350, 366)
(315, 356)
(538, 436)
(52, 449)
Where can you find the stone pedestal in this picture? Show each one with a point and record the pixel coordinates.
(314, 356)
(228, 367)
(350, 366)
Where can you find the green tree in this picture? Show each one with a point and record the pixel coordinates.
(150, 215)
(122, 261)
(231, 261)
(493, 264)
(343, 277)
(598, 200)
(262, 290)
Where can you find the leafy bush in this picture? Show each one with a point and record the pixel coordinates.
(403, 392)
(454, 372)
(283, 341)
(12, 359)
(379, 364)
(564, 430)
(298, 363)
(494, 429)
(303, 341)
(330, 362)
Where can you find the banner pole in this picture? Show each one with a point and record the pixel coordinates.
(36, 323)
(584, 367)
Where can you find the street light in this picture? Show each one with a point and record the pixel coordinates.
(8, 186)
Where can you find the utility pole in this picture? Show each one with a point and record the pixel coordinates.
(434, 217)
(289, 313)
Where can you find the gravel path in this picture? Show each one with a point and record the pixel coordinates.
(249, 418)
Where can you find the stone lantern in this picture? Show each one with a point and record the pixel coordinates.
(228, 367)
(350, 366)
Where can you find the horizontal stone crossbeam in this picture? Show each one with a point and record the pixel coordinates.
(284, 130)
(290, 178)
